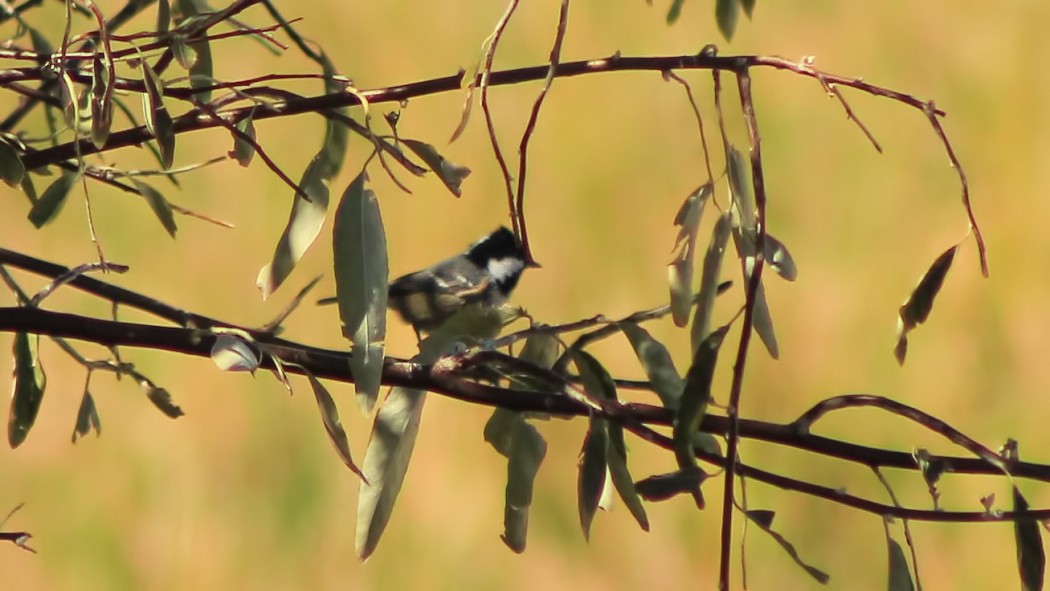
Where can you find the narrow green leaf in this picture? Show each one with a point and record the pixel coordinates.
(695, 396)
(309, 210)
(600, 385)
(764, 519)
(675, 11)
(130, 114)
(308, 213)
(201, 68)
(87, 418)
(12, 171)
(29, 189)
(779, 259)
(899, 575)
(740, 187)
(657, 362)
(47, 207)
(1031, 558)
(158, 121)
(337, 135)
(680, 270)
(386, 462)
(451, 174)
(185, 55)
(709, 280)
(361, 274)
(163, 16)
(664, 486)
(332, 425)
(748, 6)
(594, 465)
(243, 150)
(160, 206)
(727, 12)
(162, 400)
(524, 447)
(40, 43)
(101, 100)
(30, 382)
(763, 323)
(916, 309)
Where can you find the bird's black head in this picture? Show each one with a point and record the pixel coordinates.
(501, 256)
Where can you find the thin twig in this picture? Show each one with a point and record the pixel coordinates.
(523, 147)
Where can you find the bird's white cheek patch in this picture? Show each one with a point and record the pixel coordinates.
(501, 269)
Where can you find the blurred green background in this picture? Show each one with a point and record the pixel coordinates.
(244, 492)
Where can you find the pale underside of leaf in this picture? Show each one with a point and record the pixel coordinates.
(386, 462)
(361, 275)
(304, 223)
(660, 369)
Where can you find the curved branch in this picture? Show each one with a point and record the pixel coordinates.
(195, 120)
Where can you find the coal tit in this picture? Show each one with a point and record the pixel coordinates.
(486, 273)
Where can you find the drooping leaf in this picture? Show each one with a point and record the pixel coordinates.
(309, 210)
(29, 189)
(163, 16)
(310, 207)
(12, 171)
(451, 174)
(727, 12)
(47, 207)
(232, 353)
(594, 466)
(521, 443)
(184, 54)
(101, 99)
(599, 384)
(524, 447)
(657, 362)
(1031, 558)
(336, 135)
(744, 242)
(899, 575)
(674, 11)
(779, 259)
(243, 150)
(386, 462)
(28, 393)
(394, 431)
(158, 121)
(159, 205)
(332, 425)
(664, 486)
(87, 418)
(695, 396)
(162, 400)
(916, 309)
(361, 274)
(764, 520)
(748, 6)
(201, 68)
(763, 323)
(680, 270)
(709, 277)
(130, 114)
(740, 188)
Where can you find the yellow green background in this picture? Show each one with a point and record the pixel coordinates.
(244, 492)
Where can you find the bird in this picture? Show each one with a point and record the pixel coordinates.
(486, 273)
